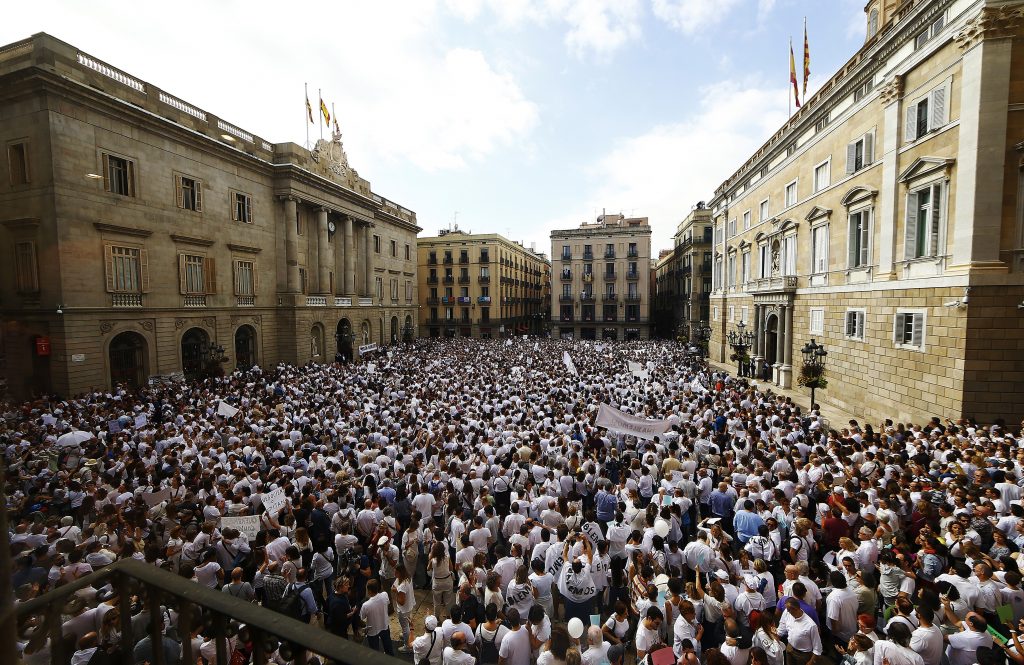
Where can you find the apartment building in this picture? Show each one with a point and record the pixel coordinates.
(150, 239)
(481, 285)
(885, 220)
(683, 277)
(601, 289)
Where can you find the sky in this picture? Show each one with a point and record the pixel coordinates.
(507, 116)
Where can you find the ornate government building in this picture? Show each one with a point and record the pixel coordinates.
(885, 219)
(147, 237)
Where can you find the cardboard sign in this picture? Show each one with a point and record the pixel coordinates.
(249, 524)
(225, 409)
(140, 421)
(273, 501)
(154, 498)
(367, 348)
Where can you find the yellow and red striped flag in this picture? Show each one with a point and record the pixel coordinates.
(325, 112)
(807, 59)
(792, 74)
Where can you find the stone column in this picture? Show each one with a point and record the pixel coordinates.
(350, 259)
(888, 146)
(368, 260)
(780, 336)
(323, 252)
(786, 373)
(291, 244)
(756, 351)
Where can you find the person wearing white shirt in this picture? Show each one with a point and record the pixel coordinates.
(841, 608)
(926, 639)
(374, 613)
(455, 653)
(801, 633)
(597, 648)
(429, 645)
(515, 648)
(963, 646)
(896, 650)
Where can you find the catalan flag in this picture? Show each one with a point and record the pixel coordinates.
(309, 110)
(792, 74)
(324, 112)
(807, 60)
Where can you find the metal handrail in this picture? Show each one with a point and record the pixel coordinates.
(260, 622)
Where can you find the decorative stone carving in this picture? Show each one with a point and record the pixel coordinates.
(179, 324)
(106, 326)
(146, 325)
(891, 90)
(210, 321)
(1003, 22)
(257, 319)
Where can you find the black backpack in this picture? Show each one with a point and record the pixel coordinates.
(488, 650)
(291, 603)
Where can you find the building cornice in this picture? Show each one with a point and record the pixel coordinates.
(121, 230)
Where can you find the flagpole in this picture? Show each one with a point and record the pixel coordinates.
(320, 98)
(305, 120)
(789, 97)
(334, 116)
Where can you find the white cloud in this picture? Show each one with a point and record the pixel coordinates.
(662, 173)
(692, 16)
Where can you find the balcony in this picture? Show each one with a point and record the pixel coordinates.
(432, 279)
(194, 606)
(633, 297)
(610, 318)
(777, 284)
(609, 254)
(609, 276)
(465, 300)
(485, 258)
(632, 274)
(587, 297)
(464, 259)
(565, 299)
(340, 301)
(193, 301)
(126, 300)
(567, 257)
(432, 261)
(433, 301)
(484, 279)
(447, 300)
(588, 256)
(565, 317)
(449, 279)
(566, 277)
(686, 270)
(245, 301)
(448, 261)
(316, 301)
(434, 321)
(632, 254)
(609, 297)
(588, 277)
(484, 300)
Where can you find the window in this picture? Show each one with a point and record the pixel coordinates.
(746, 220)
(928, 113)
(719, 234)
(930, 32)
(376, 244)
(819, 249)
(394, 248)
(872, 23)
(791, 194)
(241, 207)
(731, 271)
(714, 313)
(408, 252)
(408, 290)
(860, 228)
(189, 193)
(118, 175)
(908, 330)
(762, 212)
(924, 222)
(732, 227)
(789, 255)
(379, 283)
(763, 262)
(863, 90)
(245, 278)
(632, 250)
(743, 313)
(745, 267)
(822, 176)
(718, 272)
(17, 163)
(732, 313)
(818, 321)
(196, 275)
(566, 252)
(822, 122)
(26, 268)
(394, 290)
(631, 290)
(854, 328)
(303, 280)
(860, 153)
(609, 269)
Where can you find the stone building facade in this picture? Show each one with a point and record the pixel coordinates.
(147, 237)
(683, 277)
(481, 285)
(885, 219)
(601, 279)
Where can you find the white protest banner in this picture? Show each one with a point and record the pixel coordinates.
(154, 498)
(140, 421)
(249, 524)
(49, 420)
(508, 342)
(697, 387)
(569, 363)
(637, 370)
(225, 409)
(367, 348)
(273, 501)
(611, 418)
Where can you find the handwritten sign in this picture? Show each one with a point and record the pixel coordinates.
(367, 348)
(249, 524)
(273, 501)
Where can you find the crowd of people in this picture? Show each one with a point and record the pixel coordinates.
(456, 502)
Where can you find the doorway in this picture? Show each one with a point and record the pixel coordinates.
(127, 355)
(194, 343)
(245, 347)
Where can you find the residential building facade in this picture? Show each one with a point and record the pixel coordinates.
(601, 281)
(151, 238)
(683, 277)
(885, 220)
(481, 285)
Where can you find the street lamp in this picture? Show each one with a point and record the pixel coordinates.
(740, 340)
(702, 334)
(812, 374)
(407, 332)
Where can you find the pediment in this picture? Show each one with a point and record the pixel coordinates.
(817, 212)
(925, 166)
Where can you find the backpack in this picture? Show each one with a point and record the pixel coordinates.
(488, 650)
(291, 603)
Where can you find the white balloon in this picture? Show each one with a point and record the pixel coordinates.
(661, 527)
(575, 627)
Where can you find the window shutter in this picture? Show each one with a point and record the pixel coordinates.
(869, 148)
(255, 278)
(865, 235)
(852, 248)
(248, 210)
(233, 203)
(897, 333)
(936, 210)
(144, 270)
(851, 158)
(938, 106)
(910, 232)
(918, 333)
(860, 324)
(182, 276)
(199, 196)
(851, 324)
(910, 129)
(106, 172)
(210, 273)
(131, 177)
(108, 262)
(237, 276)
(179, 192)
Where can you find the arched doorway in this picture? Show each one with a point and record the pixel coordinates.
(194, 345)
(344, 340)
(394, 330)
(245, 347)
(771, 340)
(127, 355)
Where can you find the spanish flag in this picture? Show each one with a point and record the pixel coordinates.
(807, 60)
(792, 74)
(324, 112)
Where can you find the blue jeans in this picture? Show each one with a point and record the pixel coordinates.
(381, 642)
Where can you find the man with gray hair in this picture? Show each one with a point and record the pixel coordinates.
(597, 648)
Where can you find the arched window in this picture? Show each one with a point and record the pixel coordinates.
(872, 22)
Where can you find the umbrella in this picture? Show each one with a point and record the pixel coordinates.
(73, 438)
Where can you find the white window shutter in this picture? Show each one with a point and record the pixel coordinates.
(865, 236)
(936, 221)
(851, 259)
(869, 148)
(910, 128)
(937, 104)
(910, 233)
(918, 332)
(851, 158)
(851, 324)
(897, 332)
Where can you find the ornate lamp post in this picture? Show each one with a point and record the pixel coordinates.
(740, 340)
(701, 333)
(407, 333)
(812, 374)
